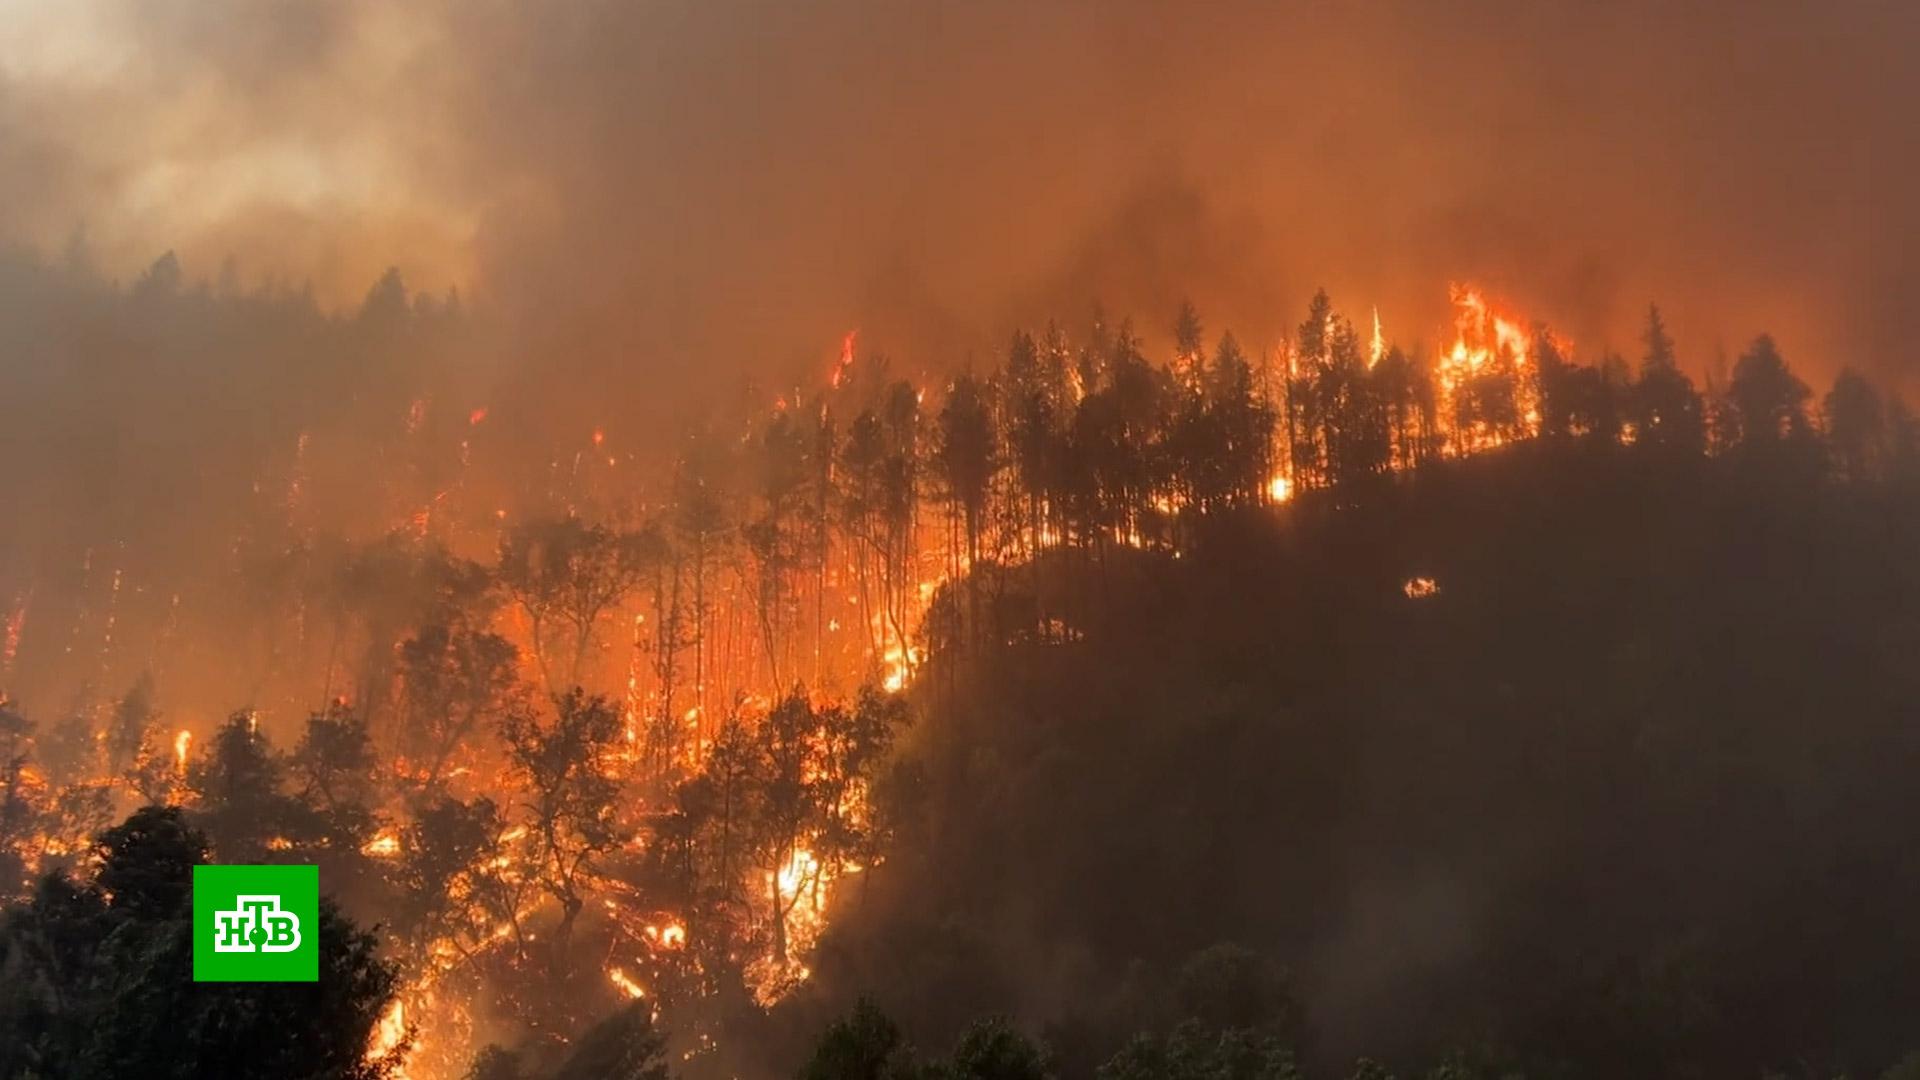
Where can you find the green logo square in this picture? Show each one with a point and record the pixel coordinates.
(256, 924)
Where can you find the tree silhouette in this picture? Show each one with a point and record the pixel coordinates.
(568, 800)
(99, 979)
(624, 1046)
(564, 570)
(863, 1045)
(237, 781)
(963, 458)
(1769, 402)
(1857, 427)
(455, 682)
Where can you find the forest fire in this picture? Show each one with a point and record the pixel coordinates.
(631, 747)
(1033, 541)
(575, 718)
(389, 1035)
(1487, 380)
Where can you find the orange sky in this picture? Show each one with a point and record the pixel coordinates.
(687, 190)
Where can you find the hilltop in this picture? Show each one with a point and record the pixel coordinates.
(1572, 754)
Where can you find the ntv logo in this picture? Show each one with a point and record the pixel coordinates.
(256, 924)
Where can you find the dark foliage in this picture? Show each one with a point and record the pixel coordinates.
(1628, 794)
(95, 980)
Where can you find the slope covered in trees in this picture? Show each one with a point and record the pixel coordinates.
(1577, 757)
(1376, 662)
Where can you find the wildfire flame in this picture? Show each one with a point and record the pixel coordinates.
(687, 714)
(388, 1033)
(1485, 339)
(627, 986)
(846, 358)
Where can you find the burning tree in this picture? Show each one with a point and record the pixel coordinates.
(456, 682)
(703, 814)
(559, 761)
(569, 572)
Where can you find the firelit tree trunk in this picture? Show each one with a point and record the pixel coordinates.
(562, 960)
(779, 919)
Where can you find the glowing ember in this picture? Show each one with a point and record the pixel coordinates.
(1419, 588)
(384, 846)
(627, 986)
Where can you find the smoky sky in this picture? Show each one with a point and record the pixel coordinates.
(652, 200)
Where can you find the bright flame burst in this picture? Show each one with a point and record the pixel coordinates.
(627, 986)
(804, 886)
(389, 1033)
(1486, 342)
(1419, 588)
(182, 743)
(846, 358)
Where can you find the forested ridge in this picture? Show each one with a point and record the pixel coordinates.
(1568, 760)
(1219, 715)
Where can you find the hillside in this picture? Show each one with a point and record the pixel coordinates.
(1628, 791)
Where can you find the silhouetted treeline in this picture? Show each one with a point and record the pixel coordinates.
(1578, 760)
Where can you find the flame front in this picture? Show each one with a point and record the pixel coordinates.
(826, 549)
